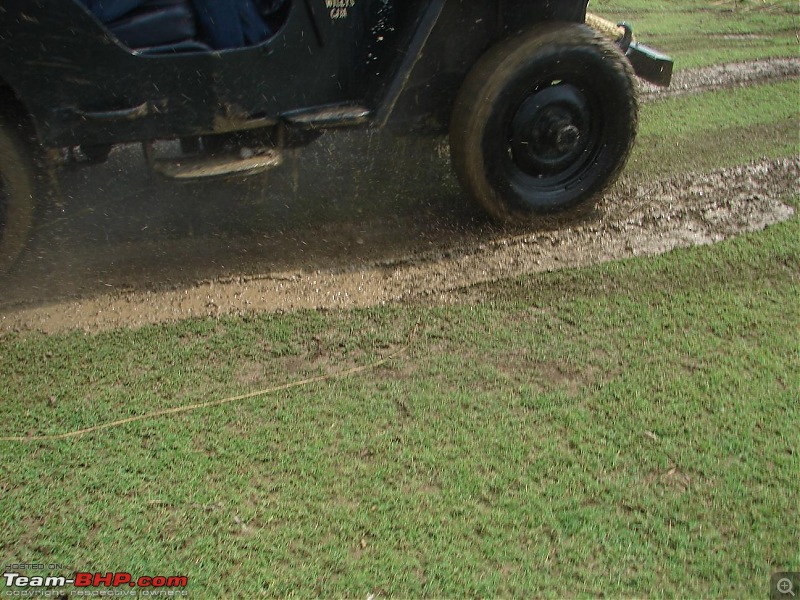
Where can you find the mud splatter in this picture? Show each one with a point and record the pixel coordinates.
(632, 220)
(146, 253)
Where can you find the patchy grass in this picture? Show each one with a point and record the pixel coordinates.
(623, 429)
(698, 33)
(728, 127)
(725, 109)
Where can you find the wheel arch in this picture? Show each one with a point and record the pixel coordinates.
(15, 112)
(462, 33)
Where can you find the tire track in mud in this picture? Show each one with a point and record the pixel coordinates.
(633, 219)
(723, 76)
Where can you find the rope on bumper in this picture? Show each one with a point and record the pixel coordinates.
(605, 27)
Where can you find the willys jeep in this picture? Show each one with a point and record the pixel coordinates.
(541, 109)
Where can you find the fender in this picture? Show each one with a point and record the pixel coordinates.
(460, 31)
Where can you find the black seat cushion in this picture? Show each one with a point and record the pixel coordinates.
(231, 23)
(111, 10)
(146, 24)
(155, 23)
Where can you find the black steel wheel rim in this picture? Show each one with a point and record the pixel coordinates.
(548, 140)
(552, 138)
(549, 132)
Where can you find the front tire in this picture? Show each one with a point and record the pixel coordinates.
(17, 192)
(544, 121)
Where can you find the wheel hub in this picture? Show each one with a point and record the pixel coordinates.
(566, 137)
(549, 130)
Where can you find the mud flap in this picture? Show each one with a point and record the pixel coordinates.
(650, 64)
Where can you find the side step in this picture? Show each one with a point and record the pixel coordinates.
(247, 161)
(216, 166)
(336, 115)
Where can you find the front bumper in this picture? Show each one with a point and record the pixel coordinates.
(649, 64)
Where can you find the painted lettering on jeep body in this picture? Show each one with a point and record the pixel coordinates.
(339, 8)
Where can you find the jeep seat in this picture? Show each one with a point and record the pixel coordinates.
(111, 10)
(231, 23)
(156, 23)
(189, 25)
(146, 23)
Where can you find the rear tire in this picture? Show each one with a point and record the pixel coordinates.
(544, 121)
(17, 192)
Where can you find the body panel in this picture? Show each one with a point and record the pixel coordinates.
(397, 60)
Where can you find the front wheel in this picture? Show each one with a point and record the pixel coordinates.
(17, 189)
(544, 121)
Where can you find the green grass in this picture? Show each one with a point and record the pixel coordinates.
(728, 127)
(628, 429)
(625, 429)
(726, 109)
(698, 33)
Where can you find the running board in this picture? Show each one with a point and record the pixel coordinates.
(340, 115)
(187, 168)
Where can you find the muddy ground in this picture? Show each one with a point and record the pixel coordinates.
(357, 219)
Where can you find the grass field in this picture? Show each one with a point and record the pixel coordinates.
(728, 127)
(629, 429)
(701, 32)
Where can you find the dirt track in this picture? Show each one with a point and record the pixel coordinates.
(348, 224)
(723, 76)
